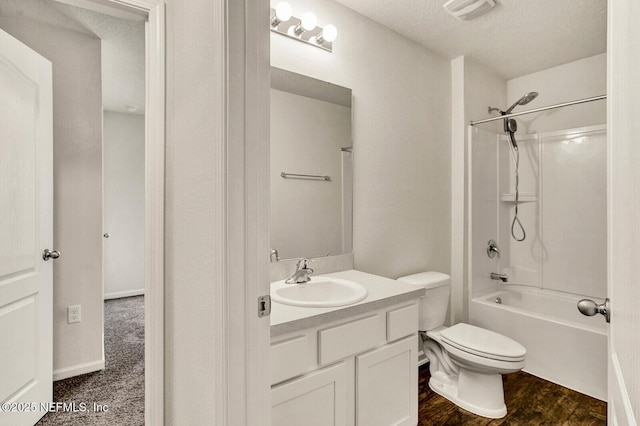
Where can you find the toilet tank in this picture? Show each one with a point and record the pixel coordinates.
(435, 302)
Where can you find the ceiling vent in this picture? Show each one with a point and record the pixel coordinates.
(468, 9)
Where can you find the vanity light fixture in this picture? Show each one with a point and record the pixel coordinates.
(303, 29)
(329, 33)
(308, 22)
(282, 13)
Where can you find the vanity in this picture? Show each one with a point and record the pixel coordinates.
(347, 365)
(344, 345)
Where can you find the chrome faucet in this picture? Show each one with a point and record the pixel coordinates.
(301, 275)
(502, 277)
(492, 249)
(274, 256)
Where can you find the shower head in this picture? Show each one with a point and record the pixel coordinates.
(527, 98)
(522, 101)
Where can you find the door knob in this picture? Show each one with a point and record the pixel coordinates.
(48, 254)
(589, 308)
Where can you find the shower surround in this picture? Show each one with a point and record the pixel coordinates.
(563, 258)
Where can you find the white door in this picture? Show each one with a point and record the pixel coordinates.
(623, 151)
(123, 204)
(26, 229)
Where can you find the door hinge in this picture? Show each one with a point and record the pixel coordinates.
(264, 306)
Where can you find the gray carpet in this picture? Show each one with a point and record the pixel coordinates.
(120, 386)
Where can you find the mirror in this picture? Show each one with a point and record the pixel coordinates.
(311, 166)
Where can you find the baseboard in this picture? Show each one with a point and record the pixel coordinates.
(128, 293)
(422, 358)
(620, 408)
(76, 370)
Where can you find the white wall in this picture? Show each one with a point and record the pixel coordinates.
(483, 88)
(77, 152)
(401, 129)
(192, 389)
(216, 241)
(123, 159)
(306, 137)
(572, 81)
(474, 88)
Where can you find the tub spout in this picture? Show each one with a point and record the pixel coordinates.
(502, 277)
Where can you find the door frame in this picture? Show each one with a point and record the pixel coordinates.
(623, 407)
(242, 167)
(241, 389)
(153, 12)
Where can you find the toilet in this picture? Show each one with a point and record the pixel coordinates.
(466, 362)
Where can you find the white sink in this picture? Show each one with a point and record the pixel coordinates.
(320, 292)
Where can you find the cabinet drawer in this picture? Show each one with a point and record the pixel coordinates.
(341, 341)
(402, 322)
(291, 357)
(318, 398)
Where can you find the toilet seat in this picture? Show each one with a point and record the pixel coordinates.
(483, 343)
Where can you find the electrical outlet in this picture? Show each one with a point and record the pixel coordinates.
(74, 314)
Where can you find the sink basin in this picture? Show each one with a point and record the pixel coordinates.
(320, 292)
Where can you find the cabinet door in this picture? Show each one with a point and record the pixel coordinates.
(315, 399)
(387, 385)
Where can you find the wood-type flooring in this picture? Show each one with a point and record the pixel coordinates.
(530, 401)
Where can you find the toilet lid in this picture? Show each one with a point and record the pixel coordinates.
(483, 342)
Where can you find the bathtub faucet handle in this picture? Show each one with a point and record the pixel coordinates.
(493, 249)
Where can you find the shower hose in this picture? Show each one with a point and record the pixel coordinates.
(515, 155)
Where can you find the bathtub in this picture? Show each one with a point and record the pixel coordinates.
(563, 346)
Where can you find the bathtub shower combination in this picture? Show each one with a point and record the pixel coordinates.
(528, 288)
(563, 346)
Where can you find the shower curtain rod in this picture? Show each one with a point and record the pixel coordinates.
(515, 114)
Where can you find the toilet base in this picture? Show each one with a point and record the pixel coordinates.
(478, 393)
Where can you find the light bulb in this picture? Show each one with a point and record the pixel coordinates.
(308, 21)
(283, 11)
(329, 34)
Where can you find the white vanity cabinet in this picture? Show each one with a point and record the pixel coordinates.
(318, 398)
(387, 385)
(361, 370)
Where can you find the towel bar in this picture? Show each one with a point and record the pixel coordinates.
(299, 176)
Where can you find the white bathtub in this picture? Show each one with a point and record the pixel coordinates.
(563, 346)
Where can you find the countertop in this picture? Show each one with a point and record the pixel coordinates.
(382, 292)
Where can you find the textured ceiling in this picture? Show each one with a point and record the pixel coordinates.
(515, 38)
(122, 57)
